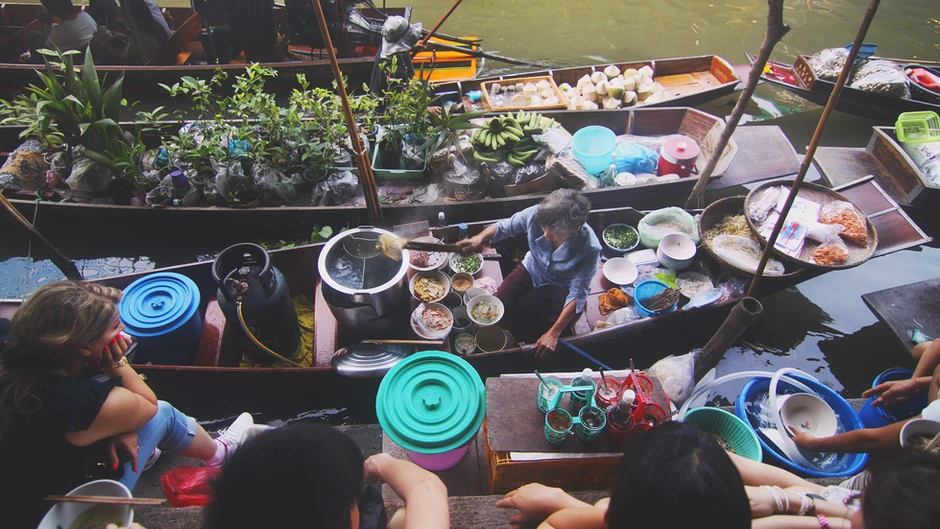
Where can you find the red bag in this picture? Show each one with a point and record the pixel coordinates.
(189, 486)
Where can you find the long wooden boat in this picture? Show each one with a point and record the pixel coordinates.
(184, 54)
(702, 127)
(800, 79)
(216, 379)
(686, 80)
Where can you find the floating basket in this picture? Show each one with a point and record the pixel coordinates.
(733, 431)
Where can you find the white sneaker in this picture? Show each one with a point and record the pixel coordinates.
(152, 460)
(234, 435)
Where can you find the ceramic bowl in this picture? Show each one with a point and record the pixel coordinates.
(455, 258)
(810, 414)
(423, 330)
(472, 293)
(64, 514)
(919, 426)
(491, 339)
(625, 179)
(619, 225)
(676, 251)
(440, 276)
(485, 298)
(620, 271)
(436, 260)
(458, 279)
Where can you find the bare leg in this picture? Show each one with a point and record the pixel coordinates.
(934, 385)
(398, 519)
(756, 474)
(203, 447)
(919, 350)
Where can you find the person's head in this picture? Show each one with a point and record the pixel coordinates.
(60, 8)
(903, 493)
(398, 35)
(562, 214)
(302, 475)
(61, 325)
(676, 477)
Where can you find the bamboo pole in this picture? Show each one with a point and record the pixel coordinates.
(742, 316)
(814, 143)
(58, 258)
(776, 30)
(424, 41)
(366, 178)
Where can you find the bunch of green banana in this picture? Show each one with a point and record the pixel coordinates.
(534, 123)
(508, 137)
(523, 152)
(499, 132)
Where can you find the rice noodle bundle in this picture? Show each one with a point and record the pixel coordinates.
(744, 253)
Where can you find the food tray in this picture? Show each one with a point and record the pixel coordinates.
(822, 196)
(712, 215)
(485, 88)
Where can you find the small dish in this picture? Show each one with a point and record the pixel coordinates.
(918, 427)
(676, 251)
(421, 327)
(472, 293)
(435, 260)
(461, 282)
(612, 231)
(809, 414)
(491, 339)
(620, 271)
(494, 303)
(464, 344)
(691, 284)
(440, 277)
(625, 179)
(460, 264)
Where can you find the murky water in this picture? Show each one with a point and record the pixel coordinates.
(821, 326)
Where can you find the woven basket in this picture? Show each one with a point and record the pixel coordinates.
(740, 438)
(712, 215)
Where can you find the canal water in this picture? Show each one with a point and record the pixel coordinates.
(821, 326)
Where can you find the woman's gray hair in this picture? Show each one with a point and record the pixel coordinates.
(564, 211)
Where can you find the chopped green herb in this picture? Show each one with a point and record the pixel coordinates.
(621, 237)
(468, 265)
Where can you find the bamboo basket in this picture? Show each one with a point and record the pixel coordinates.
(486, 85)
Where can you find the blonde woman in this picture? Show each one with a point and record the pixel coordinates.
(58, 429)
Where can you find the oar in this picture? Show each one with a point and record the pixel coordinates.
(485, 55)
(110, 500)
(437, 26)
(585, 355)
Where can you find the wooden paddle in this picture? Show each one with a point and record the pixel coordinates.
(110, 500)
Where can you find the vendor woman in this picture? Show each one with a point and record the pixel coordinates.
(548, 291)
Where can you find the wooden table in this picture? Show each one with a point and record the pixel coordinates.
(906, 307)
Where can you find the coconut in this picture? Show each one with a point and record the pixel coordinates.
(646, 71)
(612, 71)
(630, 72)
(536, 101)
(611, 102)
(572, 92)
(643, 93)
(588, 105)
(574, 103)
(530, 89)
(547, 92)
(629, 83)
(590, 92)
(629, 98)
(542, 85)
(657, 88)
(601, 88)
(615, 92)
(655, 97)
(551, 100)
(597, 77)
(585, 79)
(520, 100)
(564, 87)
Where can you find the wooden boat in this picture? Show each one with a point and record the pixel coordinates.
(216, 378)
(703, 127)
(182, 54)
(891, 166)
(800, 79)
(687, 80)
(897, 307)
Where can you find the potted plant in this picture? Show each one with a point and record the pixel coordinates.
(405, 126)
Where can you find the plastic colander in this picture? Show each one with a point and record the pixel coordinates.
(645, 290)
(593, 146)
(736, 433)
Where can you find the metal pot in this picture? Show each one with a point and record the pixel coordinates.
(365, 290)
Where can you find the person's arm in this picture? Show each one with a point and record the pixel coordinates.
(764, 504)
(781, 521)
(577, 518)
(122, 412)
(424, 494)
(897, 391)
(111, 364)
(548, 341)
(884, 439)
(535, 502)
(575, 303)
(472, 245)
(928, 361)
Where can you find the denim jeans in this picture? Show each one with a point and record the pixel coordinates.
(169, 429)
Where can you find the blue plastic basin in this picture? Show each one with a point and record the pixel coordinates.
(878, 416)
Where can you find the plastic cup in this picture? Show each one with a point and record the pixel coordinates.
(579, 399)
(557, 426)
(547, 391)
(608, 393)
(592, 423)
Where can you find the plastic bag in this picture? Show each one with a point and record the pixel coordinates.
(844, 214)
(189, 486)
(163, 194)
(233, 185)
(275, 188)
(820, 232)
(556, 140)
(657, 224)
(530, 172)
(881, 77)
(677, 375)
(25, 168)
(460, 174)
(344, 185)
(412, 157)
(633, 158)
(764, 204)
(926, 157)
(618, 317)
(832, 253)
(828, 63)
(733, 287)
(569, 172)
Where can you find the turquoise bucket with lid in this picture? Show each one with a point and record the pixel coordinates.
(162, 311)
(432, 404)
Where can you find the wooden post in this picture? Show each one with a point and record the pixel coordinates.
(58, 258)
(817, 136)
(776, 30)
(742, 316)
(366, 178)
(424, 41)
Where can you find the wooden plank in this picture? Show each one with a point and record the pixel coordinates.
(184, 34)
(840, 165)
(903, 308)
(764, 152)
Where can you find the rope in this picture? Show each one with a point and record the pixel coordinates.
(29, 248)
(241, 320)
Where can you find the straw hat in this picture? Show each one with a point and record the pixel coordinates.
(398, 35)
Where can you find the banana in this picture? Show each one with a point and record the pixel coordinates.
(500, 141)
(516, 132)
(513, 161)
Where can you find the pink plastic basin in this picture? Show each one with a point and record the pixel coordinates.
(441, 461)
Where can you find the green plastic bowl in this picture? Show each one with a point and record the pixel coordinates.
(739, 437)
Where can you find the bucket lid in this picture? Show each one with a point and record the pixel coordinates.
(680, 148)
(431, 402)
(159, 303)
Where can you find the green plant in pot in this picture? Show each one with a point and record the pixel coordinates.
(406, 122)
(448, 126)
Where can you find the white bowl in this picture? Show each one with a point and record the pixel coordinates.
(417, 322)
(810, 414)
(676, 251)
(491, 339)
(918, 426)
(455, 257)
(487, 299)
(625, 179)
(620, 271)
(64, 514)
(440, 276)
(436, 260)
(471, 293)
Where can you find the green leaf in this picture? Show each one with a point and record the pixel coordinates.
(112, 99)
(90, 81)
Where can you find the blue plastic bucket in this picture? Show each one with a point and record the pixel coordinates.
(162, 311)
(848, 464)
(878, 416)
(593, 146)
(645, 290)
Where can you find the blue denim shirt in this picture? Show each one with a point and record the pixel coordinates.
(571, 266)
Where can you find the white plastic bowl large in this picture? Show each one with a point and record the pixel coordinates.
(810, 414)
(63, 514)
(620, 271)
(676, 251)
(919, 426)
(423, 330)
(486, 298)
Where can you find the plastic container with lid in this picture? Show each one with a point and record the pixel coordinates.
(678, 156)
(432, 404)
(162, 311)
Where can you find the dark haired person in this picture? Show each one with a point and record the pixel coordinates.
(311, 475)
(547, 292)
(74, 30)
(904, 493)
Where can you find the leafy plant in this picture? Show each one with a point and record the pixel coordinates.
(321, 233)
(447, 128)
(406, 113)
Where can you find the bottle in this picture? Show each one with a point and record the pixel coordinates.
(462, 232)
(579, 399)
(441, 220)
(620, 418)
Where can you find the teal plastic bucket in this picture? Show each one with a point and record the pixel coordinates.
(162, 311)
(645, 290)
(593, 146)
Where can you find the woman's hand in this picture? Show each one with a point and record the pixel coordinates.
(114, 352)
(371, 468)
(534, 501)
(802, 439)
(893, 392)
(546, 345)
(123, 447)
(470, 246)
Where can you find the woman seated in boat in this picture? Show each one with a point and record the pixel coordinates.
(73, 31)
(549, 289)
(312, 475)
(59, 429)
(124, 45)
(676, 477)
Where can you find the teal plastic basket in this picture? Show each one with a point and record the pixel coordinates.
(739, 437)
(593, 146)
